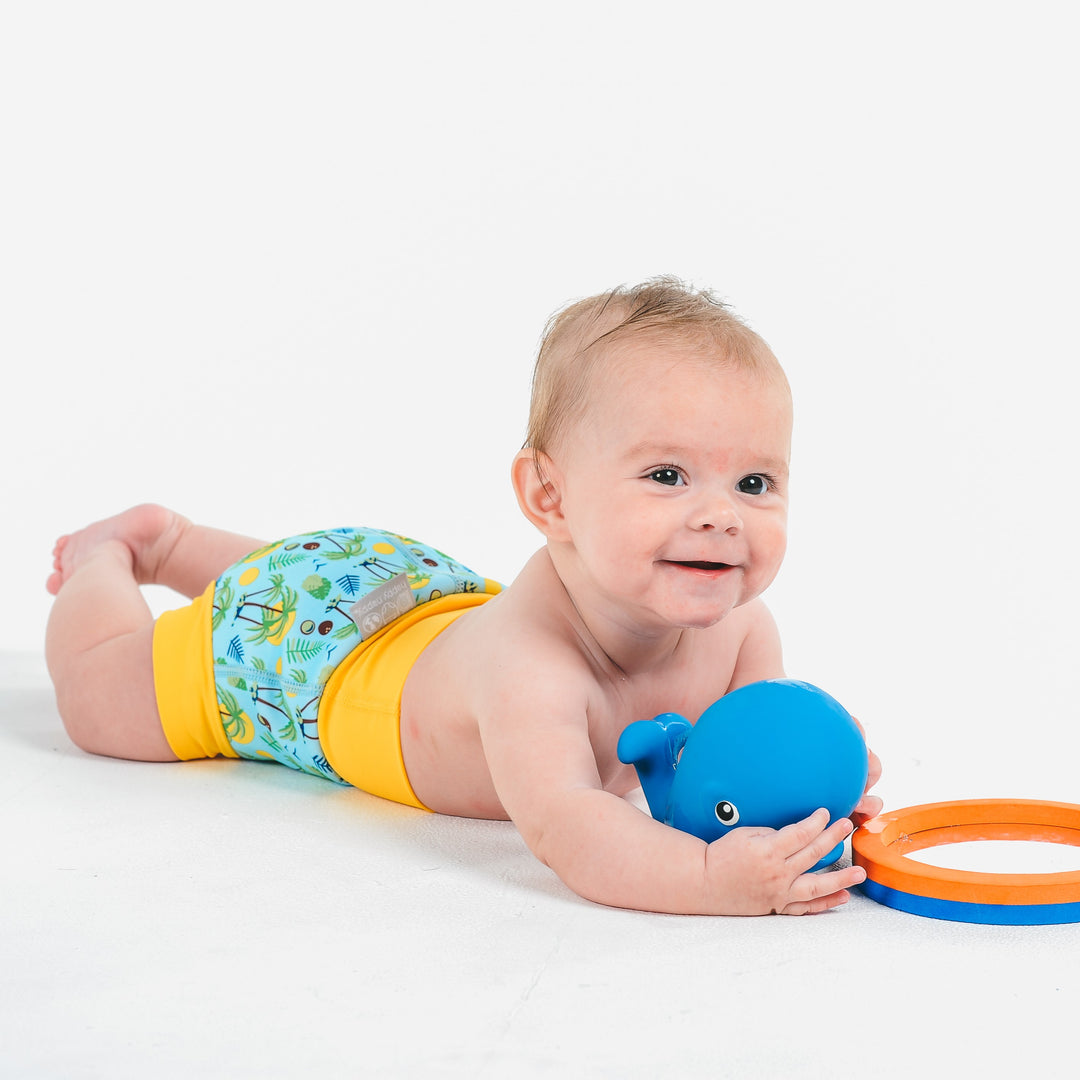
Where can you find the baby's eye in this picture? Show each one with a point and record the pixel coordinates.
(670, 477)
(754, 485)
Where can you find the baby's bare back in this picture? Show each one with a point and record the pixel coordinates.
(493, 663)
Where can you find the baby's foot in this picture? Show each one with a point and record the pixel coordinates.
(149, 531)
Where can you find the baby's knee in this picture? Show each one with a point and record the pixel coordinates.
(83, 712)
(109, 716)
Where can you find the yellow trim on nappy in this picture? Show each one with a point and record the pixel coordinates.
(184, 681)
(360, 711)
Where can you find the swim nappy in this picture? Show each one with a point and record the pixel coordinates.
(299, 653)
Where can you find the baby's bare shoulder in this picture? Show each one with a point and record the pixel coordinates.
(523, 645)
(759, 654)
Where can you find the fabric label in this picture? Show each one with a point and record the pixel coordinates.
(383, 605)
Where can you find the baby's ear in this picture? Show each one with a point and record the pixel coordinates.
(536, 484)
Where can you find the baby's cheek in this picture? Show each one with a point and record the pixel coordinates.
(769, 553)
(780, 545)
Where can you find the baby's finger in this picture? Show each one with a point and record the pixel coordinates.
(873, 772)
(869, 807)
(812, 893)
(795, 838)
(835, 834)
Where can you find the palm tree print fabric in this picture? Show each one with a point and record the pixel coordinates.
(287, 615)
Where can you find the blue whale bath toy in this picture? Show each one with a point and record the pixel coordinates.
(767, 754)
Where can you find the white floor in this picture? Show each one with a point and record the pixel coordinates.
(234, 920)
(367, 211)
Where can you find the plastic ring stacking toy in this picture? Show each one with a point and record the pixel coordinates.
(881, 847)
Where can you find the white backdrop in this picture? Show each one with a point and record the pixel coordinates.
(285, 266)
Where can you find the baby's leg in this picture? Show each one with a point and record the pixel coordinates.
(99, 641)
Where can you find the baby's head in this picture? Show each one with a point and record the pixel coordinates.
(665, 313)
(657, 455)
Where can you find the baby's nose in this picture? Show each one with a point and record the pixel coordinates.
(718, 511)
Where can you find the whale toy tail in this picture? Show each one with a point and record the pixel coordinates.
(653, 748)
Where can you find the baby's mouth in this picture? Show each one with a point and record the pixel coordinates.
(694, 565)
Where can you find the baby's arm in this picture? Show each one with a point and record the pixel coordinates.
(760, 654)
(538, 749)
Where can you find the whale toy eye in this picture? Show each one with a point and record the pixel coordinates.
(727, 813)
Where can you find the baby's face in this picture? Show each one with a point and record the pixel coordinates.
(674, 486)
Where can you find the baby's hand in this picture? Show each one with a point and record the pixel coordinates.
(755, 871)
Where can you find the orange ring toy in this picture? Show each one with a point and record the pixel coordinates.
(882, 844)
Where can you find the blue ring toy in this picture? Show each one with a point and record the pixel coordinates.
(959, 911)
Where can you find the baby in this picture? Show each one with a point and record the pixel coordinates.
(656, 467)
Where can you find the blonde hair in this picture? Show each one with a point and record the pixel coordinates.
(664, 309)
